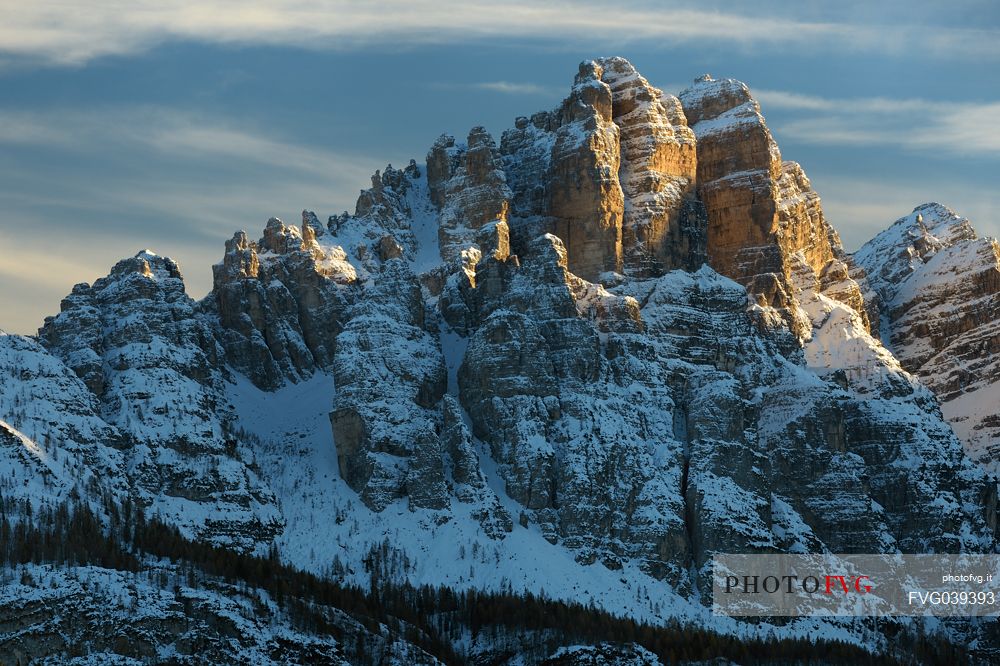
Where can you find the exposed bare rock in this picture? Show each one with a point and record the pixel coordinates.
(658, 164)
(738, 168)
(611, 173)
(526, 151)
(443, 161)
(531, 379)
(475, 192)
(801, 226)
(532, 330)
(761, 211)
(279, 303)
(583, 196)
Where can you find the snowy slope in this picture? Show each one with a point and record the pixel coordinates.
(940, 286)
(52, 438)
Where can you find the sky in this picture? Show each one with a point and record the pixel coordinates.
(170, 125)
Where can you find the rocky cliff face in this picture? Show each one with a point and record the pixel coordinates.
(468, 183)
(765, 222)
(553, 359)
(134, 338)
(623, 340)
(611, 173)
(278, 301)
(662, 223)
(939, 284)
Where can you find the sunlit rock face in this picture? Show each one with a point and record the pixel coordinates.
(765, 222)
(939, 285)
(611, 172)
(662, 225)
(699, 178)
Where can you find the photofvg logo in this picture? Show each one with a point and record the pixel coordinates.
(832, 584)
(855, 585)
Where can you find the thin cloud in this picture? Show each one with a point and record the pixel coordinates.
(509, 88)
(151, 191)
(782, 99)
(859, 208)
(36, 267)
(250, 170)
(172, 131)
(22, 128)
(957, 128)
(971, 135)
(70, 34)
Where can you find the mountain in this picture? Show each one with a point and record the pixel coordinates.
(939, 288)
(566, 368)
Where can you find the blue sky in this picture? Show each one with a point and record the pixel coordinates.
(170, 125)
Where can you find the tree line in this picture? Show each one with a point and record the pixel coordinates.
(120, 536)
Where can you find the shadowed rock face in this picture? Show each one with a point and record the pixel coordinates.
(468, 184)
(279, 301)
(136, 340)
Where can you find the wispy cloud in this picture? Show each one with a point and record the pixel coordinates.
(23, 262)
(171, 131)
(509, 88)
(781, 99)
(69, 33)
(176, 181)
(957, 128)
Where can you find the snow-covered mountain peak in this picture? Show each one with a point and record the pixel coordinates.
(940, 287)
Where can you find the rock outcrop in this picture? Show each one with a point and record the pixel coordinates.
(279, 301)
(764, 219)
(389, 374)
(611, 172)
(661, 228)
(469, 182)
(584, 197)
